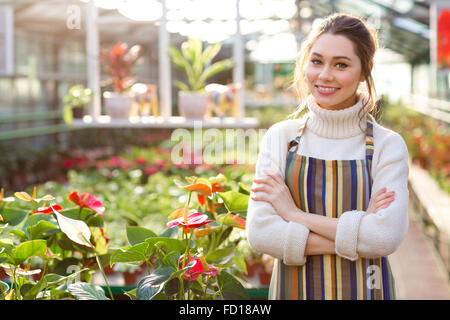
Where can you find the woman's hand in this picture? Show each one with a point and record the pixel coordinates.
(380, 200)
(274, 190)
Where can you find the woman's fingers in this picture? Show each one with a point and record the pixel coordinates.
(266, 180)
(380, 200)
(274, 176)
(263, 188)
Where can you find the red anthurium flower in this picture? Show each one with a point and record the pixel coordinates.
(201, 198)
(47, 210)
(140, 161)
(87, 200)
(217, 187)
(200, 267)
(195, 220)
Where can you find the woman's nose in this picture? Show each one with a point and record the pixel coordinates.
(326, 74)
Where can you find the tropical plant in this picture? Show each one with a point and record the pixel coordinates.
(67, 242)
(77, 97)
(195, 256)
(120, 63)
(196, 63)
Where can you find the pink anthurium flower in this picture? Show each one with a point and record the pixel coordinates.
(87, 200)
(195, 220)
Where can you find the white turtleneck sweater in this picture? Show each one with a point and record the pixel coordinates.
(333, 135)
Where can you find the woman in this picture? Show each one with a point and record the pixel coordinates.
(329, 200)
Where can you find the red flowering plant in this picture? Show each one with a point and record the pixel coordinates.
(195, 257)
(37, 228)
(119, 62)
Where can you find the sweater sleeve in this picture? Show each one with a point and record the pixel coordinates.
(266, 231)
(379, 234)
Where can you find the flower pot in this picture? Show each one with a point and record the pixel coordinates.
(3, 274)
(192, 105)
(130, 278)
(78, 112)
(37, 276)
(264, 277)
(108, 270)
(118, 105)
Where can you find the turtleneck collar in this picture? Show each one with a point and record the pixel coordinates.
(335, 124)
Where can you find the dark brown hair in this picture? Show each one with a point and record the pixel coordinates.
(365, 44)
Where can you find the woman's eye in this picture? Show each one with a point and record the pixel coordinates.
(341, 65)
(315, 61)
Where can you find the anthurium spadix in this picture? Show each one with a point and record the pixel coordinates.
(76, 230)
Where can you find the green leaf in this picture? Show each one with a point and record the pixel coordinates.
(29, 249)
(131, 254)
(182, 86)
(152, 284)
(13, 216)
(168, 244)
(172, 287)
(19, 233)
(7, 245)
(239, 261)
(219, 254)
(230, 287)
(86, 291)
(215, 68)
(243, 189)
(67, 114)
(171, 259)
(3, 289)
(32, 292)
(131, 294)
(43, 227)
(138, 235)
(210, 52)
(235, 202)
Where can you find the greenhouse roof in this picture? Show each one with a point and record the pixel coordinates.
(403, 25)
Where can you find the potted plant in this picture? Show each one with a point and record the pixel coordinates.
(196, 64)
(75, 101)
(120, 63)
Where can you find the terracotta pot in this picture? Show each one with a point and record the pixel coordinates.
(3, 274)
(130, 278)
(108, 270)
(118, 105)
(37, 276)
(192, 105)
(252, 267)
(264, 277)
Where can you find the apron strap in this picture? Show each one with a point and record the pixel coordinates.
(369, 138)
(293, 145)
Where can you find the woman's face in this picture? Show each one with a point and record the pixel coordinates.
(333, 72)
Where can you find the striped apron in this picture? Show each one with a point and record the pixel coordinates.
(330, 188)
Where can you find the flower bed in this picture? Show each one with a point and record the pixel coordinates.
(427, 140)
(135, 194)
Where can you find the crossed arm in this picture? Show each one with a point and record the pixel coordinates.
(321, 239)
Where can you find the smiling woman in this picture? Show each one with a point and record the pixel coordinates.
(322, 203)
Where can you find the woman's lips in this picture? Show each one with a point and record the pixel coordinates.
(326, 90)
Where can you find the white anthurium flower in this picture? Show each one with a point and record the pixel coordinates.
(76, 230)
(19, 271)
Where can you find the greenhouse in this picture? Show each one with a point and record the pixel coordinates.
(135, 137)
